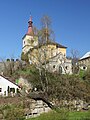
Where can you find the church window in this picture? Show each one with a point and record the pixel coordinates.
(60, 69)
(84, 68)
(24, 42)
(0, 89)
(66, 67)
(57, 46)
(53, 66)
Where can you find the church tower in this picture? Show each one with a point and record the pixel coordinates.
(29, 40)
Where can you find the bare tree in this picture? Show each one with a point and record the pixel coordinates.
(75, 57)
(46, 34)
(10, 66)
(40, 57)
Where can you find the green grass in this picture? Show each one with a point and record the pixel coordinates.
(79, 115)
(63, 116)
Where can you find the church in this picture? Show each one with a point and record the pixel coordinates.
(51, 56)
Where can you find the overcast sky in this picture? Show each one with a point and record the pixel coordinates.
(70, 22)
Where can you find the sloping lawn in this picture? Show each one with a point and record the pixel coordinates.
(79, 115)
(63, 116)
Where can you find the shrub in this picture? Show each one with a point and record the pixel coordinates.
(24, 57)
(12, 112)
(87, 75)
(81, 73)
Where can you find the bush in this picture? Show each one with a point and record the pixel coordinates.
(24, 57)
(68, 87)
(12, 112)
(81, 73)
(87, 75)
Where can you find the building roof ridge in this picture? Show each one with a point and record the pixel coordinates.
(85, 56)
(8, 79)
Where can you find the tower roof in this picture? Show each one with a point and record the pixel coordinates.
(30, 27)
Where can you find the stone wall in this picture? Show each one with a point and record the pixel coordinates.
(73, 105)
(36, 108)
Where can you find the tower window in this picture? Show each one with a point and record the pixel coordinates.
(32, 41)
(24, 42)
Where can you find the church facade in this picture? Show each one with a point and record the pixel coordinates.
(51, 55)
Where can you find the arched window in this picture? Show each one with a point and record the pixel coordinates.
(0, 89)
(84, 67)
(60, 69)
(66, 67)
(53, 66)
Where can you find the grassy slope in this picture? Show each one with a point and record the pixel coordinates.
(63, 116)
